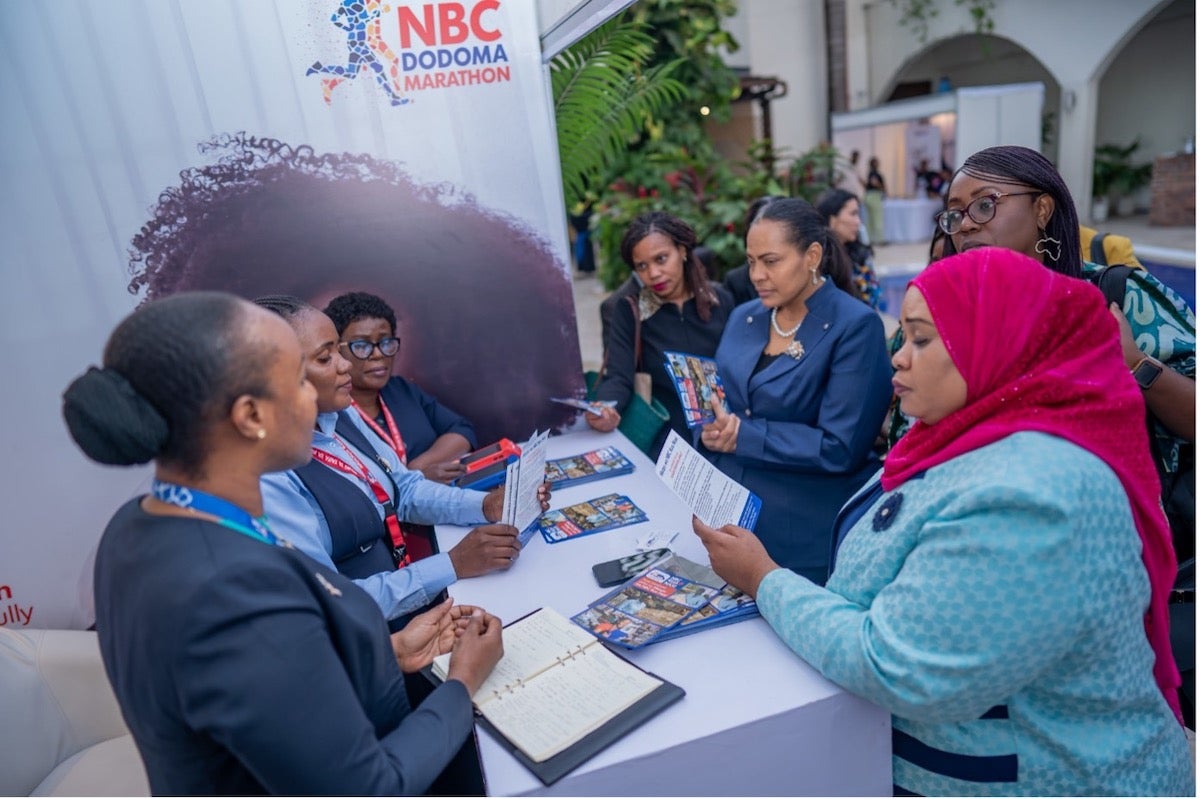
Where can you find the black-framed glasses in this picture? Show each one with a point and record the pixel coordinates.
(981, 210)
(361, 348)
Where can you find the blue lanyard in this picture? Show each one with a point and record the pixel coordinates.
(228, 514)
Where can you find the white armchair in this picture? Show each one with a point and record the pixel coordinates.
(61, 731)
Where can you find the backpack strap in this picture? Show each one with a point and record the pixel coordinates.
(1098, 256)
(1111, 281)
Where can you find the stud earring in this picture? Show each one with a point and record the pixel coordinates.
(261, 434)
(1045, 243)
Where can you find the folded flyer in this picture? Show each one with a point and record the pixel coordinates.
(523, 478)
(715, 497)
(698, 385)
(671, 598)
(585, 518)
(586, 466)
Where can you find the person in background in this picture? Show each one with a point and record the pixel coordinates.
(806, 377)
(678, 309)
(241, 666)
(1103, 249)
(841, 209)
(1001, 589)
(876, 191)
(345, 507)
(848, 177)
(708, 259)
(426, 436)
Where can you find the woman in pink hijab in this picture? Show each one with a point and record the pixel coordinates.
(1001, 587)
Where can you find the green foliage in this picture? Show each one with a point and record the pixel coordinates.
(700, 187)
(690, 31)
(672, 165)
(815, 171)
(917, 14)
(604, 97)
(694, 183)
(667, 162)
(1114, 173)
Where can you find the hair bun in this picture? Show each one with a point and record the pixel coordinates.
(110, 421)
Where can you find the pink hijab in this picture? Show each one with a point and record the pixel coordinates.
(1040, 352)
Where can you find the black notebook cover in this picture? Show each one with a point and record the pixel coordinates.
(551, 770)
(555, 768)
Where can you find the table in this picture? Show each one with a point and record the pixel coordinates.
(909, 220)
(756, 720)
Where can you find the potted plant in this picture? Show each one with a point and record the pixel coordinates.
(1115, 178)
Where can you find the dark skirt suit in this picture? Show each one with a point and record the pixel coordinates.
(807, 424)
(669, 329)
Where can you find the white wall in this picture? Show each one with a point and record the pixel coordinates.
(1072, 38)
(786, 39)
(1149, 90)
(1075, 40)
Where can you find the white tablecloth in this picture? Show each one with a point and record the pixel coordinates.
(756, 720)
(909, 220)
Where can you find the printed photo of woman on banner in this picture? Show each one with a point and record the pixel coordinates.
(471, 286)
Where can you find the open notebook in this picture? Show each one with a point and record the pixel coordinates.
(559, 696)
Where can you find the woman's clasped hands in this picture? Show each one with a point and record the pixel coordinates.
(469, 633)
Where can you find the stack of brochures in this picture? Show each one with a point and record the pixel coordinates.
(674, 597)
(594, 465)
(585, 518)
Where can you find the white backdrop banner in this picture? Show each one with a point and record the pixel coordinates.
(305, 147)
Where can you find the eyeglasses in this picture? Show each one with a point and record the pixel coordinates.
(981, 210)
(362, 349)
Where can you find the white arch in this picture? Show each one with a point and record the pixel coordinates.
(1074, 40)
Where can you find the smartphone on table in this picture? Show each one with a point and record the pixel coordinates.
(615, 572)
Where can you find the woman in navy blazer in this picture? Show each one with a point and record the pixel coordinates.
(807, 383)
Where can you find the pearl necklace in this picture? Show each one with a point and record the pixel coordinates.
(775, 325)
(795, 350)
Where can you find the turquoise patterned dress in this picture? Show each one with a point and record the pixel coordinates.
(994, 606)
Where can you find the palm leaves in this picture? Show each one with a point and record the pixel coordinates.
(603, 98)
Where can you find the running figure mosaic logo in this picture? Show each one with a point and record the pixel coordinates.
(365, 49)
(433, 46)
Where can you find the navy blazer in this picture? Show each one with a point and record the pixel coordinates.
(244, 668)
(807, 424)
(421, 418)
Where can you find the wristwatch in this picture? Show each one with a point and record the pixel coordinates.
(1146, 372)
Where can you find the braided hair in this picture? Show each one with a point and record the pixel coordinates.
(171, 369)
(284, 305)
(1013, 164)
(345, 309)
(681, 234)
(805, 225)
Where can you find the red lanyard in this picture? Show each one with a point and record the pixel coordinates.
(393, 440)
(381, 495)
